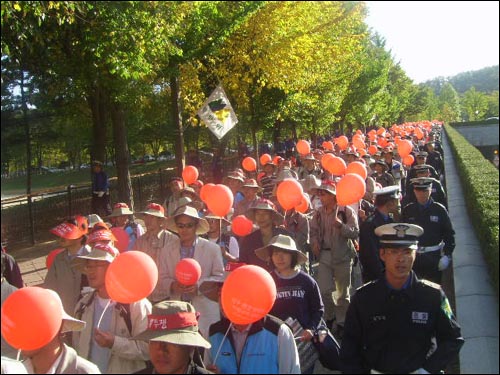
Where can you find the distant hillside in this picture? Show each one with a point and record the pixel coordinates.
(485, 80)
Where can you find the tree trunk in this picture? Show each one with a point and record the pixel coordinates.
(97, 103)
(27, 134)
(125, 192)
(177, 121)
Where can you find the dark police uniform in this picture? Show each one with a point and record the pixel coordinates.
(391, 331)
(438, 237)
(438, 194)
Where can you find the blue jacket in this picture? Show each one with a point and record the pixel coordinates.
(260, 353)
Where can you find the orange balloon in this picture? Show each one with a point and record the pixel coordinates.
(372, 150)
(31, 317)
(328, 145)
(248, 294)
(190, 174)
(122, 239)
(249, 164)
(382, 142)
(358, 168)
(404, 147)
(408, 160)
(381, 131)
(303, 206)
(358, 143)
(205, 191)
(276, 159)
(241, 225)
(342, 141)
(52, 255)
(350, 189)
(264, 159)
(289, 193)
(303, 147)
(362, 152)
(188, 271)
(333, 164)
(220, 200)
(419, 133)
(131, 277)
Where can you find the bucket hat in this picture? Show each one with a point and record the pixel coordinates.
(202, 226)
(174, 322)
(251, 183)
(186, 201)
(120, 209)
(328, 186)
(94, 219)
(264, 204)
(69, 324)
(282, 242)
(154, 209)
(210, 215)
(310, 182)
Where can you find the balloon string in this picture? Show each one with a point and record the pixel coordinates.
(18, 357)
(103, 311)
(222, 342)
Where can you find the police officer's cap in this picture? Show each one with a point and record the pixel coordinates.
(399, 235)
(422, 183)
(421, 154)
(422, 167)
(388, 191)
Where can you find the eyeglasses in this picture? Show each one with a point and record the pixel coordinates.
(394, 252)
(185, 225)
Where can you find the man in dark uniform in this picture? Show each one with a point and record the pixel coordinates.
(438, 241)
(420, 159)
(434, 158)
(391, 323)
(438, 194)
(100, 190)
(395, 167)
(386, 205)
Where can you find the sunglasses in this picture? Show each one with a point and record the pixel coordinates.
(186, 225)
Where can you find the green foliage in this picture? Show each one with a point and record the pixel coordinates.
(481, 187)
(474, 104)
(485, 80)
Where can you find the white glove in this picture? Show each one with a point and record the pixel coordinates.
(444, 262)
(100, 194)
(420, 370)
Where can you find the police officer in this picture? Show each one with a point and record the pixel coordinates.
(420, 159)
(391, 323)
(438, 194)
(438, 241)
(434, 158)
(386, 206)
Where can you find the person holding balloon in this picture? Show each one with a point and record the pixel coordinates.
(298, 295)
(156, 242)
(235, 181)
(189, 227)
(250, 191)
(34, 322)
(123, 221)
(330, 236)
(230, 249)
(61, 276)
(107, 338)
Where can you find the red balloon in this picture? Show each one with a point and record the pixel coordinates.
(333, 164)
(52, 255)
(31, 317)
(358, 143)
(289, 193)
(265, 158)
(303, 147)
(241, 225)
(362, 152)
(190, 174)
(372, 150)
(122, 238)
(248, 294)
(342, 141)
(131, 277)
(188, 271)
(328, 145)
(381, 131)
(350, 189)
(408, 160)
(205, 191)
(358, 168)
(249, 164)
(220, 200)
(404, 147)
(303, 206)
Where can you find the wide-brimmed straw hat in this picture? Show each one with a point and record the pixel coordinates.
(282, 242)
(328, 186)
(251, 183)
(154, 209)
(264, 204)
(69, 324)
(310, 182)
(120, 209)
(174, 322)
(186, 201)
(202, 225)
(212, 216)
(106, 253)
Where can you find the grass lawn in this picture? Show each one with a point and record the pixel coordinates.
(17, 186)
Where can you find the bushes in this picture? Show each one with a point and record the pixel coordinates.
(480, 183)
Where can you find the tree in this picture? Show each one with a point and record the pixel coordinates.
(449, 103)
(474, 104)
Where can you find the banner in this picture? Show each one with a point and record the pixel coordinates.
(217, 113)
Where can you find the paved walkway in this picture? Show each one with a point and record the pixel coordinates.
(475, 297)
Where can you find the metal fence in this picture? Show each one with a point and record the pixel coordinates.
(27, 219)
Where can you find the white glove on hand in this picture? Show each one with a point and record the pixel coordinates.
(444, 262)
(421, 370)
(100, 194)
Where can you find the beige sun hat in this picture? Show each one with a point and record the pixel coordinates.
(310, 182)
(282, 242)
(154, 209)
(99, 251)
(69, 324)
(186, 201)
(174, 322)
(264, 204)
(202, 226)
(120, 209)
(210, 215)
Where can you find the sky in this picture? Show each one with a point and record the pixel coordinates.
(433, 39)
